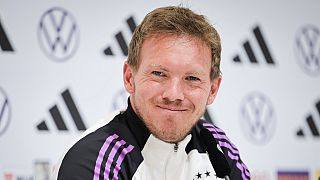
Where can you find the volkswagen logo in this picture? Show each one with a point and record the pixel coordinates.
(5, 113)
(307, 49)
(58, 34)
(257, 118)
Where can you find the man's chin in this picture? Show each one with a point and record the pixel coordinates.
(171, 140)
(171, 137)
(171, 132)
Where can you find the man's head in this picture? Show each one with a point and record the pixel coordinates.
(176, 21)
(173, 70)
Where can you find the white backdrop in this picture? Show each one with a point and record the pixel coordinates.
(269, 110)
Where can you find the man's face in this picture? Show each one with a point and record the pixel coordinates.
(172, 86)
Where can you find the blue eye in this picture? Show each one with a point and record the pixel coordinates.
(192, 78)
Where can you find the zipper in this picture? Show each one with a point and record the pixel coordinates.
(171, 157)
(176, 147)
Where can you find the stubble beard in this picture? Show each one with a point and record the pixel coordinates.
(174, 134)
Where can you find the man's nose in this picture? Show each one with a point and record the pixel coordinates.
(173, 90)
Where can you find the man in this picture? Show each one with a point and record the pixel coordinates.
(172, 74)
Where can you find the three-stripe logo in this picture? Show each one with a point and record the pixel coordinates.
(111, 154)
(5, 44)
(122, 42)
(249, 50)
(312, 125)
(233, 152)
(58, 119)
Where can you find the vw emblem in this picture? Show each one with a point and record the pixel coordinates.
(307, 49)
(257, 118)
(120, 100)
(58, 34)
(5, 113)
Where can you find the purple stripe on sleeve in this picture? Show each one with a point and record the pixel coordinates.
(242, 167)
(102, 151)
(219, 136)
(213, 129)
(207, 125)
(227, 145)
(124, 152)
(113, 152)
(231, 148)
(237, 159)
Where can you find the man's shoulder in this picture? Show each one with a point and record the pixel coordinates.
(108, 140)
(231, 152)
(106, 132)
(100, 131)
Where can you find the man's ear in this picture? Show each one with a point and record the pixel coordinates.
(128, 78)
(214, 89)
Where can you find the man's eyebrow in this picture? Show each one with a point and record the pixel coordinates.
(158, 66)
(196, 73)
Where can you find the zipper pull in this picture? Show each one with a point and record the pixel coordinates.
(176, 146)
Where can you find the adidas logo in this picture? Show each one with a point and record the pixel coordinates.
(311, 124)
(58, 119)
(4, 41)
(123, 44)
(251, 54)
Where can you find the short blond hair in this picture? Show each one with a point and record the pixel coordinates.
(174, 20)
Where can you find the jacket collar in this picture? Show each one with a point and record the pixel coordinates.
(136, 126)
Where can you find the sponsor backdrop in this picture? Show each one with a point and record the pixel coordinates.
(61, 70)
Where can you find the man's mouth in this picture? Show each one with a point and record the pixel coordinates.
(172, 108)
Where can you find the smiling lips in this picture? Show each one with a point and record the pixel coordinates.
(172, 108)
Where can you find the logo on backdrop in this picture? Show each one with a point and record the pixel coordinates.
(58, 119)
(41, 169)
(311, 124)
(307, 49)
(5, 111)
(265, 52)
(120, 99)
(301, 175)
(257, 118)
(58, 34)
(121, 41)
(4, 40)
